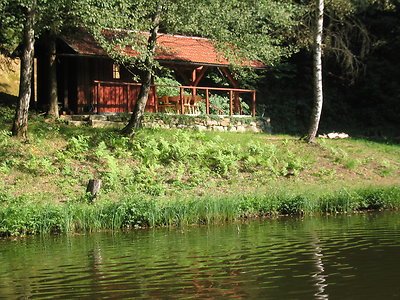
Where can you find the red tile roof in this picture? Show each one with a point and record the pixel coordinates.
(174, 48)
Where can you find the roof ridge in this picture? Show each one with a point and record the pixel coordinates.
(161, 33)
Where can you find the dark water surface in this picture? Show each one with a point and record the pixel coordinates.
(336, 257)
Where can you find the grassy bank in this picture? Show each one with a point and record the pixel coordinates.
(31, 218)
(176, 176)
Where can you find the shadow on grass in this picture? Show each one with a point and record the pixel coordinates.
(8, 100)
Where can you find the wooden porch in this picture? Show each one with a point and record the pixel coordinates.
(120, 97)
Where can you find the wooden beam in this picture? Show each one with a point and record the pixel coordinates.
(253, 103)
(228, 74)
(194, 74)
(200, 76)
(183, 75)
(181, 100)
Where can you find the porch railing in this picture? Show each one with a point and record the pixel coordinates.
(128, 92)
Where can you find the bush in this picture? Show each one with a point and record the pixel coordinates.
(166, 90)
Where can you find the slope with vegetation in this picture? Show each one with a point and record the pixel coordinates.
(175, 176)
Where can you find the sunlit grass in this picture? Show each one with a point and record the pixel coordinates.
(21, 218)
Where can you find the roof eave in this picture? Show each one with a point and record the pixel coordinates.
(162, 61)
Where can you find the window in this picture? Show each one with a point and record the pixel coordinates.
(116, 71)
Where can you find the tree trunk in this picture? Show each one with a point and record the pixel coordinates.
(53, 111)
(136, 120)
(317, 69)
(93, 188)
(20, 125)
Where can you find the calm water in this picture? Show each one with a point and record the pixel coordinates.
(337, 257)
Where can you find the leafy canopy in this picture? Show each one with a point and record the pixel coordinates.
(243, 29)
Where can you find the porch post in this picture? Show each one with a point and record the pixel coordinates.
(194, 73)
(207, 102)
(253, 104)
(230, 102)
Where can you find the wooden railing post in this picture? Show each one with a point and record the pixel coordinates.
(99, 97)
(230, 102)
(181, 101)
(253, 104)
(207, 102)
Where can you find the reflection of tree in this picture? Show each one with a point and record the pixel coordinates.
(319, 277)
(94, 267)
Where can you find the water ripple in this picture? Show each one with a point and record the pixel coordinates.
(336, 257)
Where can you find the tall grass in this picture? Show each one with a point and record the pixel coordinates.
(22, 218)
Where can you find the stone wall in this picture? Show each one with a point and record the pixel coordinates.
(201, 122)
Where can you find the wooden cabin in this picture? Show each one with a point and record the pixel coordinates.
(89, 81)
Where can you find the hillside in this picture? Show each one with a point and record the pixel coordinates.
(9, 74)
(58, 161)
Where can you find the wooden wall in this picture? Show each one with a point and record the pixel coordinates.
(77, 92)
(114, 97)
(110, 97)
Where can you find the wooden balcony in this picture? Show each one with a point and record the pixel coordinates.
(115, 97)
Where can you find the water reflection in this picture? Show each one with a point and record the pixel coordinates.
(338, 257)
(319, 277)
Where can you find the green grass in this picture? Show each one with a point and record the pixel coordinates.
(26, 217)
(185, 176)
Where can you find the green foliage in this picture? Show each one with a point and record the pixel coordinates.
(38, 165)
(342, 202)
(19, 218)
(11, 16)
(258, 31)
(166, 90)
(6, 114)
(78, 146)
(218, 101)
(289, 205)
(222, 103)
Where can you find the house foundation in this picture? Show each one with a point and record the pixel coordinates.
(171, 121)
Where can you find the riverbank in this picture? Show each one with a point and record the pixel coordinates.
(132, 212)
(179, 177)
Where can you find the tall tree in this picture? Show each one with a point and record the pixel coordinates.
(53, 110)
(20, 125)
(317, 71)
(20, 22)
(135, 121)
(345, 39)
